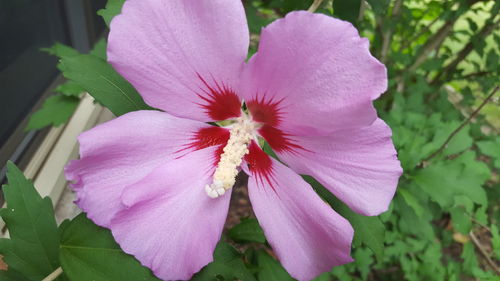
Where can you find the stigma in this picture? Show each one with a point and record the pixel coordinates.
(241, 134)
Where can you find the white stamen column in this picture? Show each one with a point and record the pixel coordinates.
(236, 148)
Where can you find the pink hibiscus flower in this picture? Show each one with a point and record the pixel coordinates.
(161, 180)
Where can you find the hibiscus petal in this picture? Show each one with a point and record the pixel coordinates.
(172, 226)
(359, 166)
(121, 152)
(306, 234)
(183, 56)
(313, 75)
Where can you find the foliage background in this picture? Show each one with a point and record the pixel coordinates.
(442, 105)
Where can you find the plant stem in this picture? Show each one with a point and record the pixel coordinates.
(387, 35)
(450, 68)
(474, 74)
(467, 121)
(424, 30)
(432, 43)
(53, 275)
(315, 5)
(485, 254)
(362, 8)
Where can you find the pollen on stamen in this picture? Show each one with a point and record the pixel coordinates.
(236, 148)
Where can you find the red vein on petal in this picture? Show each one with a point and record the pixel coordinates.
(265, 111)
(260, 164)
(279, 140)
(208, 136)
(221, 101)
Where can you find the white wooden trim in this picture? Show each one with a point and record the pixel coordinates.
(46, 168)
(50, 181)
(42, 151)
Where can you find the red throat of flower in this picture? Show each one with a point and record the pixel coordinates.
(222, 103)
(259, 163)
(238, 141)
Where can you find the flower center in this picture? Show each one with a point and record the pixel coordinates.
(241, 134)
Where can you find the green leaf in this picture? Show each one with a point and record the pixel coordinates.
(380, 7)
(99, 49)
(495, 241)
(492, 61)
(60, 50)
(411, 201)
(459, 142)
(70, 88)
(269, 268)
(347, 10)
(293, 5)
(461, 221)
(33, 247)
(102, 82)
(268, 150)
(255, 21)
(410, 223)
(363, 259)
(56, 110)
(227, 265)
(248, 230)
(113, 8)
(472, 24)
(442, 181)
(12, 275)
(369, 231)
(491, 149)
(469, 257)
(89, 252)
(94, 75)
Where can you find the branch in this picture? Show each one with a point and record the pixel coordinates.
(408, 43)
(451, 67)
(387, 35)
(433, 43)
(436, 39)
(53, 275)
(457, 130)
(485, 254)
(315, 5)
(362, 8)
(475, 74)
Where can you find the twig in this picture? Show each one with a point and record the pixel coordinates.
(457, 130)
(485, 254)
(424, 30)
(387, 36)
(53, 275)
(450, 68)
(475, 74)
(315, 5)
(407, 43)
(432, 43)
(436, 39)
(362, 8)
(480, 224)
